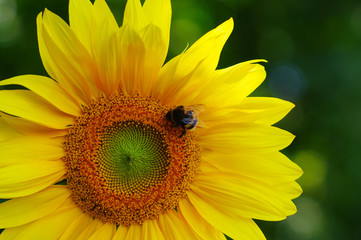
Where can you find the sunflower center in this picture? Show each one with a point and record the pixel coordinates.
(126, 163)
(133, 157)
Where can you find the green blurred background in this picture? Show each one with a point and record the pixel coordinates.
(313, 50)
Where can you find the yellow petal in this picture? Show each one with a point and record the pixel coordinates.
(292, 189)
(104, 232)
(70, 56)
(262, 110)
(23, 210)
(173, 226)
(25, 104)
(159, 13)
(95, 26)
(105, 48)
(154, 57)
(65, 58)
(30, 128)
(246, 137)
(272, 168)
(6, 131)
(102, 13)
(131, 55)
(46, 59)
(182, 77)
(134, 15)
(29, 149)
(120, 233)
(134, 232)
(197, 222)
(233, 85)
(29, 177)
(77, 227)
(80, 19)
(235, 227)
(9, 233)
(152, 23)
(243, 196)
(92, 227)
(105, 45)
(30, 187)
(47, 89)
(24, 171)
(150, 230)
(55, 223)
(208, 48)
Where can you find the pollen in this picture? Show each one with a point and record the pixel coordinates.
(126, 163)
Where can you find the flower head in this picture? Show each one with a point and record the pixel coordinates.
(116, 145)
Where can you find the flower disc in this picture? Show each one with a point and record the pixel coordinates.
(126, 163)
(133, 157)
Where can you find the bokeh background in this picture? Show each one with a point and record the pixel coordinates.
(313, 50)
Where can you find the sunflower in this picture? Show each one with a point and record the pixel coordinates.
(116, 145)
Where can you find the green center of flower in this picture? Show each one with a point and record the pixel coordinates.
(133, 157)
(126, 162)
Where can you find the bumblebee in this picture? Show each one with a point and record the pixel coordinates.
(184, 117)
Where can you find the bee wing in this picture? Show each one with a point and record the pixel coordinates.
(196, 109)
(200, 124)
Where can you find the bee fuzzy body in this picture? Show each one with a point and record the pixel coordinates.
(185, 118)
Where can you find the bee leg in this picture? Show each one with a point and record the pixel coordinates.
(184, 132)
(175, 124)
